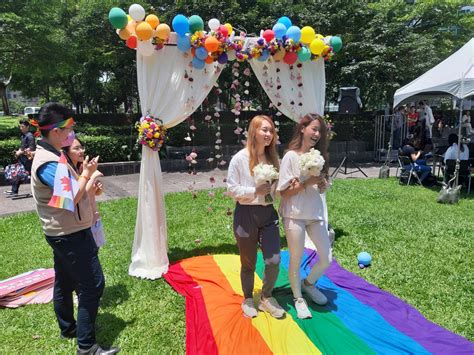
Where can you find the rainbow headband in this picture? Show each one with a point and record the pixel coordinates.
(63, 124)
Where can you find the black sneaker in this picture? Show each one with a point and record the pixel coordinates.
(97, 350)
(69, 335)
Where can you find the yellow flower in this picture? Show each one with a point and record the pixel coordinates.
(146, 125)
(157, 135)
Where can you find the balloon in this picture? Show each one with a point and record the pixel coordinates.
(195, 23)
(213, 24)
(137, 12)
(264, 55)
(131, 26)
(364, 258)
(224, 30)
(268, 35)
(129, 18)
(201, 53)
(183, 43)
(231, 55)
(211, 44)
(294, 33)
(290, 58)
(279, 30)
(304, 54)
(285, 21)
(152, 20)
(279, 55)
(180, 24)
(144, 31)
(336, 43)
(117, 18)
(316, 46)
(163, 31)
(209, 60)
(132, 42)
(229, 28)
(223, 58)
(325, 50)
(146, 48)
(124, 34)
(307, 34)
(198, 63)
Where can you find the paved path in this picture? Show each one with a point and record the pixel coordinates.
(121, 186)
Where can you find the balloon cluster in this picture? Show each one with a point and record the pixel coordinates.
(139, 32)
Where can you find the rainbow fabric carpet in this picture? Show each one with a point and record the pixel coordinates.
(359, 318)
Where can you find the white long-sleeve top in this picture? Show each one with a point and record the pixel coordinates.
(240, 184)
(452, 153)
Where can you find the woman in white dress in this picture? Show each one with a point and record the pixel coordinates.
(302, 210)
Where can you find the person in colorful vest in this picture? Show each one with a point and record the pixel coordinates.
(62, 204)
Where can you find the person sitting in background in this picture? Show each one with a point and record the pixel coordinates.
(412, 150)
(24, 154)
(452, 151)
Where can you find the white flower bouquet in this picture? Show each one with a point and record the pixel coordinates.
(311, 163)
(265, 173)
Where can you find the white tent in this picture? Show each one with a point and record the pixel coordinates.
(446, 77)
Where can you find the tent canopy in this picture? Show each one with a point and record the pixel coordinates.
(446, 77)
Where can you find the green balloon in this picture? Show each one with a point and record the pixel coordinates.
(304, 54)
(336, 43)
(118, 18)
(195, 24)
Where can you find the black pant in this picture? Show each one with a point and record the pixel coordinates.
(27, 164)
(77, 268)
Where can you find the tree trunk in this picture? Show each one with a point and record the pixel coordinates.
(3, 94)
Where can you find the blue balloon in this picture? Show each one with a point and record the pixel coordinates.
(364, 258)
(285, 21)
(180, 25)
(264, 55)
(294, 33)
(198, 63)
(183, 43)
(280, 30)
(201, 53)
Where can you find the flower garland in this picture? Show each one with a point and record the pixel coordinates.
(151, 132)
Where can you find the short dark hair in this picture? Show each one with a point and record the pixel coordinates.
(24, 122)
(51, 113)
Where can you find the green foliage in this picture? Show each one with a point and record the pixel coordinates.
(7, 150)
(422, 253)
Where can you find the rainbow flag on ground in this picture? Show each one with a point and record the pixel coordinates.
(359, 317)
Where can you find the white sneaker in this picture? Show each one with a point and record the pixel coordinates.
(302, 310)
(248, 307)
(271, 306)
(315, 295)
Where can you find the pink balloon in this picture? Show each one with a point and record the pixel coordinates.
(290, 58)
(224, 30)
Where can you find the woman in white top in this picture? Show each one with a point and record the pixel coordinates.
(452, 152)
(302, 210)
(256, 221)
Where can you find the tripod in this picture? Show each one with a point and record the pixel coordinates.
(344, 163)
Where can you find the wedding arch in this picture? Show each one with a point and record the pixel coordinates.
(287, 61)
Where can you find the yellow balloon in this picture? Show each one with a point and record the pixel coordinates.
(279, 55)
(163, 31)
(229, 27)
(307, 34)
(129, 18)
(144, 31)
(152, 20)
(317, 46)
(124, 33)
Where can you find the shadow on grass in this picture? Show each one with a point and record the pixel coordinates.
(110, 326)
(114, 295)
(176, 254)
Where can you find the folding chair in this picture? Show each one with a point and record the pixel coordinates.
(464, 172)
(407, 170)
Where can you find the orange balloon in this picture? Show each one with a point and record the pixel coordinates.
(279, 55)
(209, 60)
(144, 31)
(124, 34)
(163, 31)
(193, 51)
(211, 44)
(152, 20)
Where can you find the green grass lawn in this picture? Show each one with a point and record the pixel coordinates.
(422, 252)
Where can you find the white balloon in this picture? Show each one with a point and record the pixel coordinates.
(137, 12)
(214, 24)
(231, 56)
(146, 48)
(327, 40)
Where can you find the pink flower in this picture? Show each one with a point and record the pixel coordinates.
(193, 155)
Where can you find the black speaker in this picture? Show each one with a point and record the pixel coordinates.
(349, 100)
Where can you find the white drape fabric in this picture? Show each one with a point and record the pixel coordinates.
(171, 90)
(281, 85)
